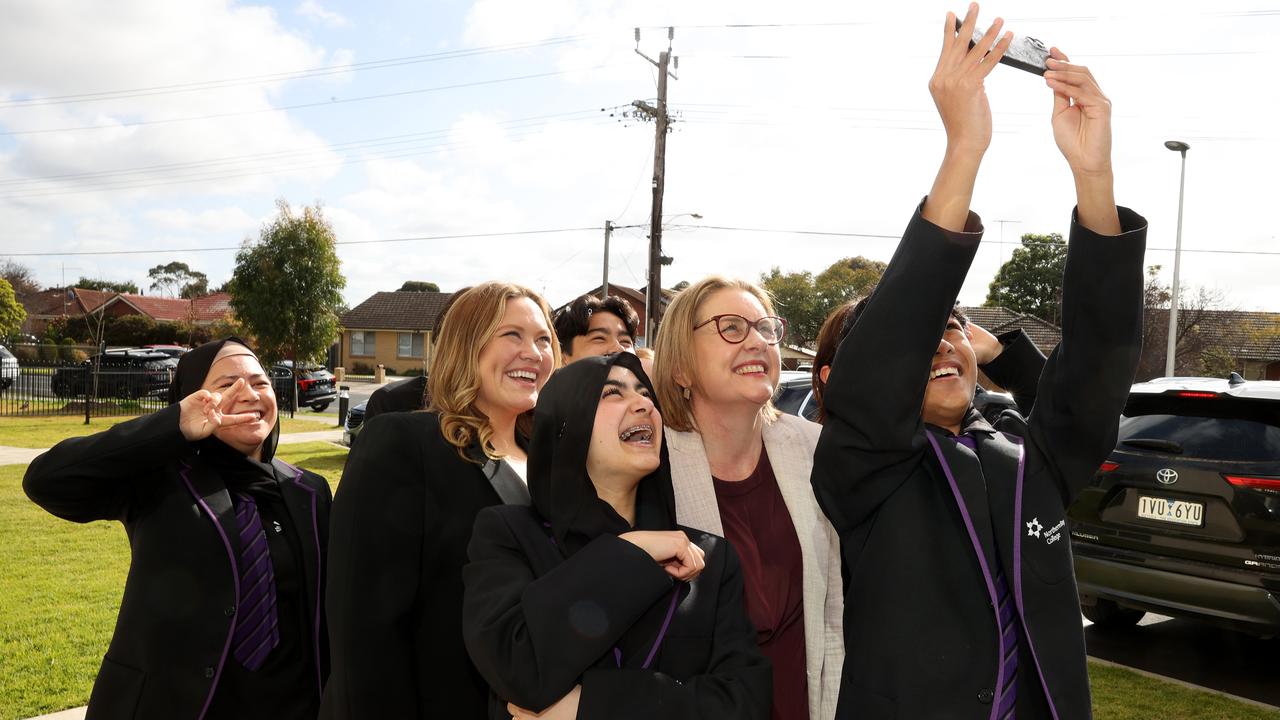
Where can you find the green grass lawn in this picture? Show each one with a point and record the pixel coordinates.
(42, 432)
(60, 586)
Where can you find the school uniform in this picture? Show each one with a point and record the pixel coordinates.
(962, 602)
(554, 598)
(183, 647)
(402, 518)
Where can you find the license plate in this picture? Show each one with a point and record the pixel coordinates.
(1179, 512)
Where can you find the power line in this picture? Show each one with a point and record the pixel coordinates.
(468, 236)
(301, 106)
(282, 76)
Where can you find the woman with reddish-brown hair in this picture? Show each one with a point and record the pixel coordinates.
(407, 502)
(741, 470)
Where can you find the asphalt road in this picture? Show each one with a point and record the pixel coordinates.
(1197, 653)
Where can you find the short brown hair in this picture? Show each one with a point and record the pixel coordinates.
(453, 381)
(673, 349)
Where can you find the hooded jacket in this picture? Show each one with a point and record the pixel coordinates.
(170, 654)
(554, 598)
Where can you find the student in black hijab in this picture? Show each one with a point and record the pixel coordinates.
(593, 603)
(221, 615)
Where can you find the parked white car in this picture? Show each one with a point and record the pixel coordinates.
(8, 368)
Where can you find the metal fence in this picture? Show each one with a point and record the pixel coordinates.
(80, 380)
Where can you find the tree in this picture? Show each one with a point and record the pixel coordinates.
(1031, 280)
(122, 286)
(177, 279)
(419, 286)
(680, 286)
(805, 300)
(1195, 351)
(20, 277)
(12, 314)
(286, 285)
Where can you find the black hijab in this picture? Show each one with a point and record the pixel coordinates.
(193, 368)
(558, 482)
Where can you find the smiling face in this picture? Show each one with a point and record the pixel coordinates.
(732, 375)
(606, 334)
(232, 363)
(515, 362)
(626, 440)
(952, 378)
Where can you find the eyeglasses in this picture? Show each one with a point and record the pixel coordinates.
(733, 329)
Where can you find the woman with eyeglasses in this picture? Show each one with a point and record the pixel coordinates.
(741, 470)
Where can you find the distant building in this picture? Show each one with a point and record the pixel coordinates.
(392, 329)
(48, 305)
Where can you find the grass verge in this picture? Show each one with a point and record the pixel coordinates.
(43, 432)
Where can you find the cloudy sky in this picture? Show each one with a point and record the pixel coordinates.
(173, 127)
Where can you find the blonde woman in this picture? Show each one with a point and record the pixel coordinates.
(407, 502)
(741, 470)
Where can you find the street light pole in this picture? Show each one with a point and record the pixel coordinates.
(1172, 346)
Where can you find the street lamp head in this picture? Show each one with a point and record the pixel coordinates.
(695, 216)
(1177, 146)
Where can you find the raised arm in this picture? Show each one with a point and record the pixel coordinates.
(877, 382)
(1087, 378)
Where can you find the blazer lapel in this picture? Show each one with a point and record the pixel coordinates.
(1001, 456)
(962, 472)
(792, 465)
(696, 504)
(214, 501)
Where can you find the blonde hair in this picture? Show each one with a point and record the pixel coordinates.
(453, 380)
(674, 349)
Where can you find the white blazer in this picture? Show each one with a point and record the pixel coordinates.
(790, 442)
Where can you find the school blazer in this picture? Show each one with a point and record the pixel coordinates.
(790, 442)
(173, 634)
(926, 524)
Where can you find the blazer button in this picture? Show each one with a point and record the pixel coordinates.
(985, 696)
(208, 672)
(231, 610)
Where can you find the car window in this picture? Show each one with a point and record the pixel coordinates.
(789, 398)
(1209, 429)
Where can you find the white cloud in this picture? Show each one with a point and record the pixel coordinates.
(311, 10)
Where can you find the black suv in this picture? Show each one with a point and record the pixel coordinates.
(128, 373)
(315, 386)
(794, 395)
(1184, 516)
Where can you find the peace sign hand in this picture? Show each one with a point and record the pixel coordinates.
(203, 412)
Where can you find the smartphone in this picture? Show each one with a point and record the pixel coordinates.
(1024, 53)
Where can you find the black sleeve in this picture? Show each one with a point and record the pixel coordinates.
(737, 684)
(375, 546)
(1017, 368)
(532, 638)
(1086, 380)
(95, 477)
(873, 436)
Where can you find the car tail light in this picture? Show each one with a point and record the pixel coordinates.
(1262, 483)
(1194, 394)
(1108, 466)
(305, 384)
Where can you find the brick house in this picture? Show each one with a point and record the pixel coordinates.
(392, 329)
(48, 305)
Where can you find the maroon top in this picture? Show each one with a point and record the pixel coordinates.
(757, 523)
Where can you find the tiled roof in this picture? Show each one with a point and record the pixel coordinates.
(1241, 335)
(397, 311)
(996, 320)
(202, 309)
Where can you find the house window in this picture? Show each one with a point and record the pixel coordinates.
(363, 343)
(410, 345)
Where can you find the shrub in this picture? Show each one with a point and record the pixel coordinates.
(359, 368)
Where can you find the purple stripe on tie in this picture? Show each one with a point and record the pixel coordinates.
(256, 632)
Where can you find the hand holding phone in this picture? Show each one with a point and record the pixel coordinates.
(1024, 53)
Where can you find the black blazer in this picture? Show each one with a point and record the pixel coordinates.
(536, 624)
(925, 523)
(173, 633)
(401, 521)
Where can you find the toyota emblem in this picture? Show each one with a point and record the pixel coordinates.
(1167, 476)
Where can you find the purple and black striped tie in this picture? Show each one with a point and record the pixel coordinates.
(1009, 628)
(257, 632)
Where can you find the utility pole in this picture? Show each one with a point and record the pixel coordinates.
(653, 294)
(604, 284)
